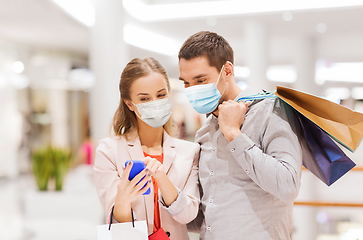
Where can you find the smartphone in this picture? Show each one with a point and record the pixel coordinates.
(137, 167)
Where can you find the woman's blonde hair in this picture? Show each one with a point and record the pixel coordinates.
(124, 120)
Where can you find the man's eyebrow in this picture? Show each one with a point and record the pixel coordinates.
(196, 77)
(199, 76)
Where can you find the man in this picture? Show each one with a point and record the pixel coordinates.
(250, 162)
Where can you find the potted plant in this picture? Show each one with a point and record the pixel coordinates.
(42, 167)
(61, 162)
(51, 162)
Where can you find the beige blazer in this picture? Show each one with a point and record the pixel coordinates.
(181, 166)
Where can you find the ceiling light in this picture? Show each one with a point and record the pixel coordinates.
(81, 10)
(161, 12)
(340, 72)
(17, 67)
(241, 72)
(321, 28)
(281, 73)
(287, 16)
(357, 92)
(337, 93)
(151, 41)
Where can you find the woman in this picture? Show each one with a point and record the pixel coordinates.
(141, 126)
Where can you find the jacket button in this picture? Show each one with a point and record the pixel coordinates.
(168, 233)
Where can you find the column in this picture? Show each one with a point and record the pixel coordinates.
(305, 223)
(257, 56)
(58, 109)
(108, 56)
(304, 60)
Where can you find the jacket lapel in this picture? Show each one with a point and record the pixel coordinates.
(169, 152)
(136, 153)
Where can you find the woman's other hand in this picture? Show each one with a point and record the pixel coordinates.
(128, 191)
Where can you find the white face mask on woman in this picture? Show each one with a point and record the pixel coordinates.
(155, 113)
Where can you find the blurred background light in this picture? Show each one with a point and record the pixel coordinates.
(287, 16)
(281, 73)
(82, 78)
(17, 67)
(81, 10)
(336, 94)
(357, 93)
(241, 72)
(147, 12)
(151, 41)
(339, 71)
(19, 81)
(321, 27)
(3, 81)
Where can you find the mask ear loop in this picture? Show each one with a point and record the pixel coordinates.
(135, 111)
(219, 77)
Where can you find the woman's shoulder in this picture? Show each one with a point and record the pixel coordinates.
(185, 143)
(111, 142)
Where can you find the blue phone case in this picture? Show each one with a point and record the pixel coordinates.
(137, 167)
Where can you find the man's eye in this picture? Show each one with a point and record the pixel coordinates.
(186, 84)
(200, 80)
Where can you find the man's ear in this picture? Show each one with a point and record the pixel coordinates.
(228, 70)
(129, 105)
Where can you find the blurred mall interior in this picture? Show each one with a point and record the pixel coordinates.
(60, 63)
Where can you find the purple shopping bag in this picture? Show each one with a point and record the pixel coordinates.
(321, 155)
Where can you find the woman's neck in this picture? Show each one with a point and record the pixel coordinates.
(151, 139)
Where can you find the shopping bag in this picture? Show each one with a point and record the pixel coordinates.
(341, 123)
(123, 231)
(320, 119)
(160, 234)
(321, 155)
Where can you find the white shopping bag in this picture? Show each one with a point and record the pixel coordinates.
(123, 231)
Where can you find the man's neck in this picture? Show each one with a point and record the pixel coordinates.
(231, 94)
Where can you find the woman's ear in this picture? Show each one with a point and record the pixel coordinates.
(129, 105)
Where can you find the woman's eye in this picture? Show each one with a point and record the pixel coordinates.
(200, 80)
(161, 95)
(186, 84)
(144, 99)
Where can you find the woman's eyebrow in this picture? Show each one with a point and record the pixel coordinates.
(161, 90)
(142, 94)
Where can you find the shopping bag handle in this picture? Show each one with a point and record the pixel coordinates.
(258, 96)
(111, 215)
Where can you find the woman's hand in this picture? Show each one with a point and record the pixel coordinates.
(167, 188)
(128, 191)
(156, 169)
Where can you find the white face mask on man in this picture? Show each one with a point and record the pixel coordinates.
(154, 113)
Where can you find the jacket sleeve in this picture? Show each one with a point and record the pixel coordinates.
(106, 175)
(276, 166)
(185, 208)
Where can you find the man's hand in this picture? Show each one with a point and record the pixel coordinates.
(230, 117)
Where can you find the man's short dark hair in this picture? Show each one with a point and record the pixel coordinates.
(209, 44)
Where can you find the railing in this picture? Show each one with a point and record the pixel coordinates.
(330, 204)
(327, 204)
